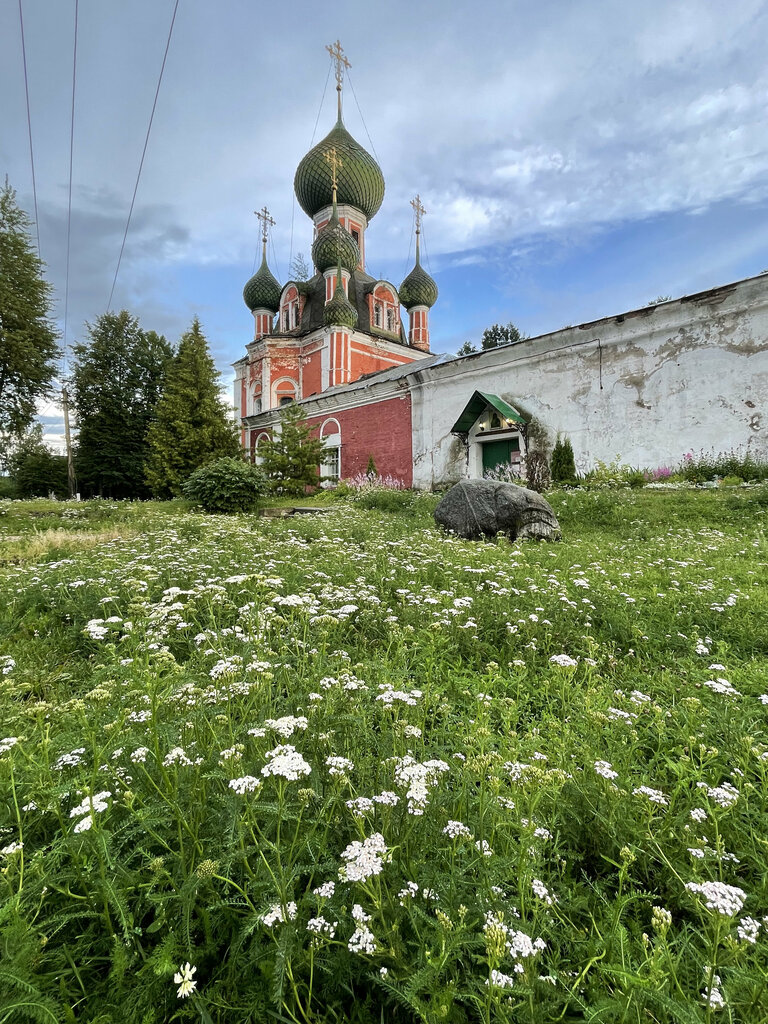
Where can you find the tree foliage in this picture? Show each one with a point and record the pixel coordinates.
(562, 464)
(500, 334)
(467, 349)
(37, 471)
(291, 459)
(300, 269)
(192, 426)
(28, 348)
(116, 383)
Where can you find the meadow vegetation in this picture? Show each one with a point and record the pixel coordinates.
(346, 768)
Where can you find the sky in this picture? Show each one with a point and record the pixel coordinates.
(576, 158)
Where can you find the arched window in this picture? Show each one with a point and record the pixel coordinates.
(330, 468)
(285, 391)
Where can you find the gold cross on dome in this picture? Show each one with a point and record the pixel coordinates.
(419, 210)
(265, 219)
(335, 162)
(340, 60)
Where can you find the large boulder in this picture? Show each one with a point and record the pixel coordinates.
(485, 508)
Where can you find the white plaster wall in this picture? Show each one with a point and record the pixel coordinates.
(647, 386)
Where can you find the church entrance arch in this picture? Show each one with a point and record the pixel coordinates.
(492, 432)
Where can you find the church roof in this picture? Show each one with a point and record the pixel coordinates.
(359, 177)
(360, 285)
(418, 289)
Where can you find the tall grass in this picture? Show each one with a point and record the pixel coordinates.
(354, 769)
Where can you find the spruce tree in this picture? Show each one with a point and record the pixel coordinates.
(563, 464)
(116, 381)
(292, 458)
(28, 349)
(192, 426)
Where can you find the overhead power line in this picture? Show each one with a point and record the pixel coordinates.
(69, 199)
(29, 128)
(143, 153)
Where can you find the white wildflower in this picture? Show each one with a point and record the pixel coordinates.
(286, 762)
(340, 766)
(183, 978)
(654, 795)
(245, 784)
(363, 860)
(719, 897)
(748, 929)
(605, 769)
(276, 914)
(285, 726)
(563, 660)
(456, 829)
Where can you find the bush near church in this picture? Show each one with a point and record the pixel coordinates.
(226, 485)
(563, 464)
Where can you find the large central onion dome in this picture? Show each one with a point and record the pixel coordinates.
(333, 245)
(359, 178)
(262, 291)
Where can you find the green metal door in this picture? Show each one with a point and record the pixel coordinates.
(496, 453)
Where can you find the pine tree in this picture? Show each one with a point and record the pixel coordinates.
(28, 349)
(116, 382)
(500, 334)
(191, 426)
(563, 464)
(292, 458)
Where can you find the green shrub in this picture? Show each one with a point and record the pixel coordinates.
(731, 481)
(7, 488)
(563, 464)
(226, 485)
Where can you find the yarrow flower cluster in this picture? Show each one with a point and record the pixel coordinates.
(286, 762)
(245, 784)
(276, 914)
(287, 725)
(363, 939)
(183, 978)
(517, 944)
(339, 766)
(605, 769)
(456, 830)
(418, 778)
(363, 860)
(654, 795)
(87, 808)
(563, 660)
(8, 743)
(719, 897)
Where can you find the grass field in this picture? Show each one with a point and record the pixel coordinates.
(345, 768)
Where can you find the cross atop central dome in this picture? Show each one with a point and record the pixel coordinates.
(359, 180)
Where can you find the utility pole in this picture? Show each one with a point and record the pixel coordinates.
(71, 481)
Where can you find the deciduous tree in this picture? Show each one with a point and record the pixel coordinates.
(116, 383)
(192, 425)
(28, 348)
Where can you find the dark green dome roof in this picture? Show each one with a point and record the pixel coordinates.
(340, 312)
(360, 181)
(418, 289)
(262, 291)
(335, 245)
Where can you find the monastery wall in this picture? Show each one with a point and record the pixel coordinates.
(647, 386)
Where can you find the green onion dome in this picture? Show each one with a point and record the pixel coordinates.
(359, 178)
(418, 289)
(262, 291)
(340, 312)
(334, 245)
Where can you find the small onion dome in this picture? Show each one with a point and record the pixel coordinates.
(262, 291)
(334, 245)
(418, 289)
(340, 312)
(359, 178)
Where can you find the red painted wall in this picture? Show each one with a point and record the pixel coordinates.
(381, 429)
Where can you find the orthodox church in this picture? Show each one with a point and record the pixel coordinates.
(647, 385)
(343, 324)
